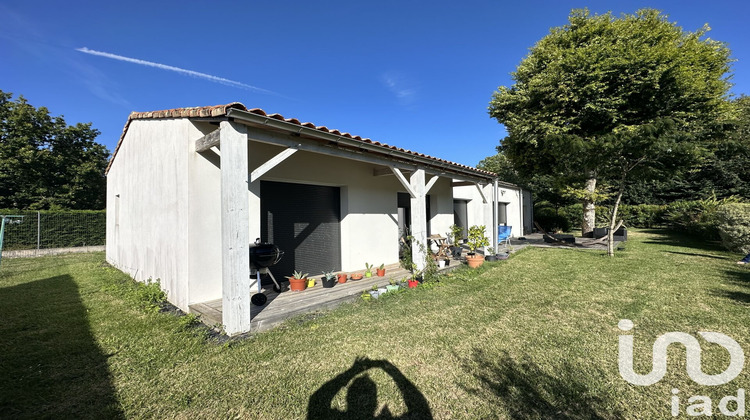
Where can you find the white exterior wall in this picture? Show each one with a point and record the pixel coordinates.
(369, 207)
(147, 235)
(479, 213)
(441, 207)
(166, 224)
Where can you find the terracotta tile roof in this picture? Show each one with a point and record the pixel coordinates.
(221, 110)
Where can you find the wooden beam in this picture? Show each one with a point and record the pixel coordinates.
(271, 163)
(402, 179)
(430, 184)
(208, 141)
(462, 184)
(418, 219)
(235, 237)
(481, 193)
(308, 145)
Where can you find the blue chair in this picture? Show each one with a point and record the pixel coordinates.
(503, 235)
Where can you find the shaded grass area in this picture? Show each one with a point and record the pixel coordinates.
(533, 337)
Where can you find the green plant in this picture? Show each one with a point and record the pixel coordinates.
(490, 251)
(150, 294)
(430, 272)
(477, 238)
(407, 261)
(297, 275)
(455, 234)
(329, 275)
(368, 268)
(381, 266)
(733, 223)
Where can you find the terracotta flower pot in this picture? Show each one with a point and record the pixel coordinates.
(297, 285)
(356, 276)
(381, 273)
(342, 278)
(475, 260)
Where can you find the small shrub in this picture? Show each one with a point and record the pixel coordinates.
(551, 220)
(150, 294)
(733, 223)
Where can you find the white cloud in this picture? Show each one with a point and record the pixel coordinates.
(186, 72)
(398, 85)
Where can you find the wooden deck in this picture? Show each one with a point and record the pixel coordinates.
(282, 306)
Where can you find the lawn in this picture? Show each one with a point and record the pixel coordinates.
(533, 337)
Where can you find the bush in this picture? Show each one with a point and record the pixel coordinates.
(733, 224)
(551, 220)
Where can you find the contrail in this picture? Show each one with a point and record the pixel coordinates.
(216, 79)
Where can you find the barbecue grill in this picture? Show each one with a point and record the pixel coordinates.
(262, 256)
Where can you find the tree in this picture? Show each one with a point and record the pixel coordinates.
(605, 99)
(545, 188)
(46, 164)
(722, 173)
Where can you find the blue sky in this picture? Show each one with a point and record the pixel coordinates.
(417, 75)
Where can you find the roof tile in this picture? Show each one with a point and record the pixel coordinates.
(221, 110)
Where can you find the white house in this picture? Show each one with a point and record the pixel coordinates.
(514, 207)
(189, 189)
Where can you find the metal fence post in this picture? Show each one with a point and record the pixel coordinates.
(38, 229)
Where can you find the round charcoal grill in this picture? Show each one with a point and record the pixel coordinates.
(262, 256)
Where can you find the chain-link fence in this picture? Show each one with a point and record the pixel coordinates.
(50, 232)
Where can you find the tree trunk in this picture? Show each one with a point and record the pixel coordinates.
(589, 207)
(613, 220)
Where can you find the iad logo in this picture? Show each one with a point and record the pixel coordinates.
(700, 405)
(693, 357)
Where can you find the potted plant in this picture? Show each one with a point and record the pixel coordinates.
(329, 279)
(455, 235)
(368, 270)
(366, 296)
(490, 256)
(392, 287)
(374, 293)
(297, 281)
(477, 239)
(355, 276)
(342, 277)
(381, 270)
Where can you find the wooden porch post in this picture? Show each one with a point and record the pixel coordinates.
(418, 218)
(235, 235)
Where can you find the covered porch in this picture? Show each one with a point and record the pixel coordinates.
(288, 304)
(248, 148)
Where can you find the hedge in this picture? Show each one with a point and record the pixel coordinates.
(57, 229)
(733, 223)
(711, 219)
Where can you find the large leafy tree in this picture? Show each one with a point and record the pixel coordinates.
(604, 99)
(45, 163)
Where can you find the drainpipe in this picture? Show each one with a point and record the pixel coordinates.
(521, 210)
(494, 215)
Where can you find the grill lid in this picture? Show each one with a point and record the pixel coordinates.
(264, 255)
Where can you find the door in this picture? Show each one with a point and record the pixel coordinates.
(305, 222)
(460, 215)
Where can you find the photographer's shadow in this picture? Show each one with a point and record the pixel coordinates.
(362, 395)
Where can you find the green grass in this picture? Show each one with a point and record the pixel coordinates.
(533, 337)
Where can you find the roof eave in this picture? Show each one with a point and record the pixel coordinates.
(283, 125)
